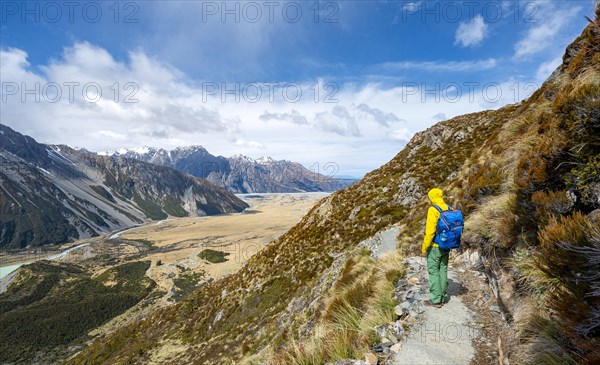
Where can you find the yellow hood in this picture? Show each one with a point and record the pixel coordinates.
(435, 195)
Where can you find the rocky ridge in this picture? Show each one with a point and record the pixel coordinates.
(240, 174)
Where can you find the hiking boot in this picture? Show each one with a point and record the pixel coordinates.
(429, 303)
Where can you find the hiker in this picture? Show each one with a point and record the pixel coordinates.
(437, 258)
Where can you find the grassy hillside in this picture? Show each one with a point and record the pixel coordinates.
(242, 313)
(531, 193)
(541, 228)
(509, 169)
(53, 305)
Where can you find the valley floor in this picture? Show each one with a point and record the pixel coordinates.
(175, 246)
(178, 242)
(183, 253)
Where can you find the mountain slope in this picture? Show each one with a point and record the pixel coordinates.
(243, 313)
(54, 194)
(51, 306)
(238, 174)
(510, 170)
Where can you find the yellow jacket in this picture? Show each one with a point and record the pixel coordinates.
(435, 196)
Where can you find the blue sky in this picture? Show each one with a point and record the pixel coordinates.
(384, 70)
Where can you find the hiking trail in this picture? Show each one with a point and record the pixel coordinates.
(442, 335)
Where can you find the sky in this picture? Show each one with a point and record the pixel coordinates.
(324, 83)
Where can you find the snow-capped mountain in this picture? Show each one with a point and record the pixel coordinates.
(238, 174)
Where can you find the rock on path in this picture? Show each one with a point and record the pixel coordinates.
(444, 335)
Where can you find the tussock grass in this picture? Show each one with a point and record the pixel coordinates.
(492, 224)
(531, 275)
(542, 343)
(563, 273)
(305, 353)
(362, 300)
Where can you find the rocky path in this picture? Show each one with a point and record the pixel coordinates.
(438, 335)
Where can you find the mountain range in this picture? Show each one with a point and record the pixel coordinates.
(240, 174)
(54, 193)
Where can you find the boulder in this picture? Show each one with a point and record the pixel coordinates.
(386, 342)
(396, 348)
(397, 329)
(370, 359)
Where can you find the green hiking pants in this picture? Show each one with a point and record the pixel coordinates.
(437, 266)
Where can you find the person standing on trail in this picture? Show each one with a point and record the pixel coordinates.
(437, 258)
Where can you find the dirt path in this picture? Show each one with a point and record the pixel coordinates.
(445, 335)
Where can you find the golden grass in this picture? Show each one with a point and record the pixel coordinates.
(492, 221)
(540, 343)
(363, 300)
(240, 235)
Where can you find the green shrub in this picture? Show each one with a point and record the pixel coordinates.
(59, 303)
(102, 192)
(151, 210)
(216, 257)
(173, 207)
(186, 283)
(551, 204)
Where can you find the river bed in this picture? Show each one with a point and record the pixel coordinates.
(5, 270)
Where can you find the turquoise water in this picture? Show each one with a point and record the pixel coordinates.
(5, 270)
(8, 269)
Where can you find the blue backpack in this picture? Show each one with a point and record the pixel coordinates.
(449, 228)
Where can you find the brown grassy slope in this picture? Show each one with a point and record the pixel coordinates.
(532, 201)
(244, 312)
(477, 158)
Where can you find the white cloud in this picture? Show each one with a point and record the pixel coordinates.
(113, 135)
(551, 22)
(405, 10)
(293, 117)
(546, 68)
(440, 66)
(439, 117)
(411, 7)
(14, 59)
(471, 33)
(385, 119)
(250, 144)
(401, 135)
(140, 95)
(171, 111)
(338, 121)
